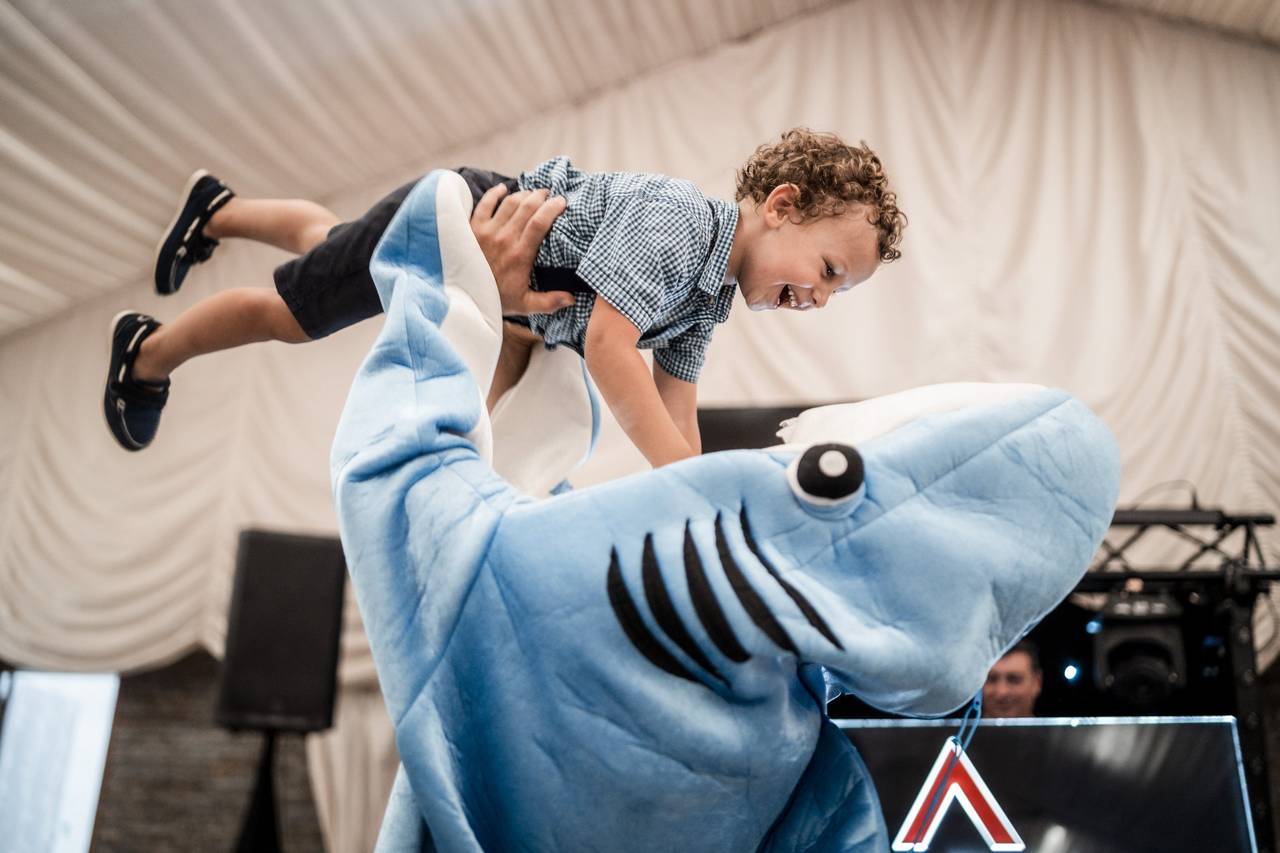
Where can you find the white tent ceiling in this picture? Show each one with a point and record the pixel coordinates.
(1091, 187)
(107, 106)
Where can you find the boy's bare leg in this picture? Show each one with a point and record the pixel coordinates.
(239, 316)
(232, 318)
(294, 225)
(249, 315)
(513, 360)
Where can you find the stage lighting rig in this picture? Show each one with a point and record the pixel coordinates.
(1180, 637)
(1138, 649)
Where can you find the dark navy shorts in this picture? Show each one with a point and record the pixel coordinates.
(329, 287)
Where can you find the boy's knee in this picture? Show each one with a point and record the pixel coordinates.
(314, 234)
(288, 330)
(281, 324)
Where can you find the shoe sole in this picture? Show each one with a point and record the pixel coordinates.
(126, 441)
(173, 223)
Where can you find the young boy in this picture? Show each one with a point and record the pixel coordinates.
(814, 217)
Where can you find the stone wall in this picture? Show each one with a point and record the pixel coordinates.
(176, 781)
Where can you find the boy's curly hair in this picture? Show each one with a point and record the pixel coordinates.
(831, 177)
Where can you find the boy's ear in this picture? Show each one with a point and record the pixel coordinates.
(780, 206)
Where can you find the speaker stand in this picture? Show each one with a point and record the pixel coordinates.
(261, 830)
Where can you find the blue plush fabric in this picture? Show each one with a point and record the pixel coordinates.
(644, 665)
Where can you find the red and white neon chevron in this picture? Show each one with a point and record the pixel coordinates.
(964, 784)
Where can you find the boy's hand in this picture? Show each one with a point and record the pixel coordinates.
(509, 231)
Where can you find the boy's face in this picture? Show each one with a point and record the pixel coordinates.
(801, 266)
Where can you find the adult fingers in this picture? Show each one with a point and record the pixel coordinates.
(529, 205)
(508, 207)
(541, 220)
(488, 202)
(529, 202)
(535, 302)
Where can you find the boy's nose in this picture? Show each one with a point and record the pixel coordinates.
(820, 297)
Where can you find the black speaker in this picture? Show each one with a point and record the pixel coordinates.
(280, 669)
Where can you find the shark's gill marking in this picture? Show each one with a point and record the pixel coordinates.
(664, 612)
(810, 613)
(628, 616)
(707, 606)
(751, 600)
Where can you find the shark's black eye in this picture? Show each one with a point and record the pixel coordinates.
(828, 473)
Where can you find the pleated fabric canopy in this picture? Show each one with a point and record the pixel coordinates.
(1091, 191)
(106, 105)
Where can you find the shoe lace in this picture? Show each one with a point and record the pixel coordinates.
(139, 393)
(200, 247)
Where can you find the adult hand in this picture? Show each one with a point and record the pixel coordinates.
(509, 231)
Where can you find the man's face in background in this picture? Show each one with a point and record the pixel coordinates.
(1012, 687)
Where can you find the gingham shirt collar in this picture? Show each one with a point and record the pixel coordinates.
(711, 281)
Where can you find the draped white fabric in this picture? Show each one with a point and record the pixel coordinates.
(1093, 204)
(105, 105)
(103, 101)
(1252, 18)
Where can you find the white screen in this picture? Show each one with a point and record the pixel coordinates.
(53, 747)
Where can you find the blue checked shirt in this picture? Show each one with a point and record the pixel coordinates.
(655, 247)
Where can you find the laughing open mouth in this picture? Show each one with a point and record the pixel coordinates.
(788, 297)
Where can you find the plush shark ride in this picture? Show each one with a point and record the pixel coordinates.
(644, 664)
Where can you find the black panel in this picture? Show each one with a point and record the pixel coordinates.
(743, 428)
(1104, 786)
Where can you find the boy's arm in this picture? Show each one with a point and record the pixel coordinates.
(681, 401)
(624, 381)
